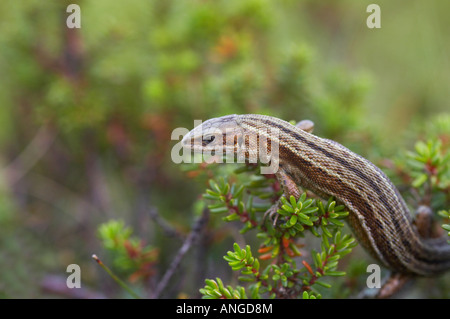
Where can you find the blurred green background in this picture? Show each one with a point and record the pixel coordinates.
(86, 114)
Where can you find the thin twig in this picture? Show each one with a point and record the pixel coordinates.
(116, 279)
(191, 238)
(165, 226)
(32, 153)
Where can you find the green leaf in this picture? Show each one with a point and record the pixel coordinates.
(307, 203)
(293, 201)
(293, 219)
(323, 284)
(336, 222)
(227, 293)
(248, 251)
(303, 216)
(420, 180)
(217, 205)
(331, 206)
(239, 191)
(334, 273)
(310, 210)
(287, 208)
(326, 231)
(214, 194)
(337, 237)
(246, 278)
(421, 147)
(219, 210)
(211, 283)
(207, 196)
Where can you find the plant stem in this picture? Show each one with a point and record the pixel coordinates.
(116, 279)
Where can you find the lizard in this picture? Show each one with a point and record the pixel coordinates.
(378, 215)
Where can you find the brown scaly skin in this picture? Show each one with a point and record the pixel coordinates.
(378, 216)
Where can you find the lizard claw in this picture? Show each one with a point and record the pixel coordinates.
(272, 213)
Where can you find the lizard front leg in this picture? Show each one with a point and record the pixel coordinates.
(287, 183)
(289, 188)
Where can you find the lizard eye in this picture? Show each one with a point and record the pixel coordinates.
(208, 139)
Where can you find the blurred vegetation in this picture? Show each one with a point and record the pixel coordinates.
(86, 119)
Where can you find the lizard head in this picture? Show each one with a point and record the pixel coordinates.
(222, 134)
